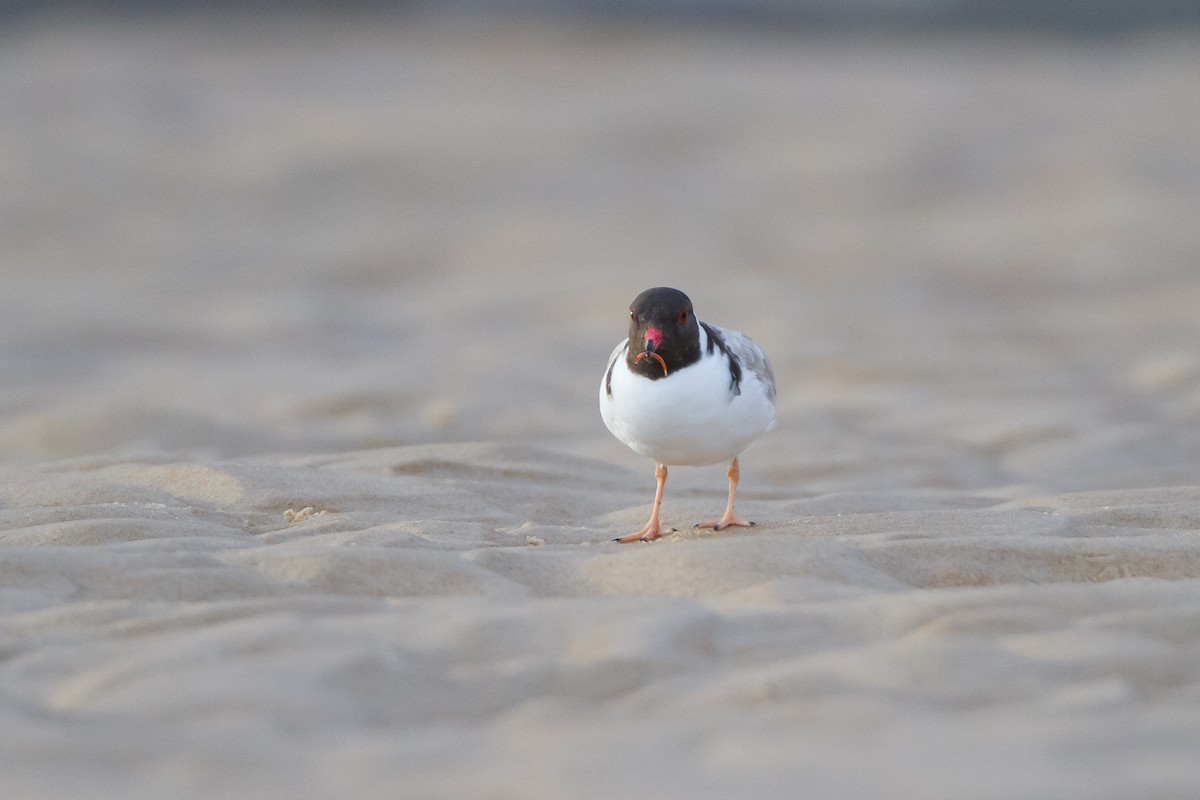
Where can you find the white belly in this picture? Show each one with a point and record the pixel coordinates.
(690, 417)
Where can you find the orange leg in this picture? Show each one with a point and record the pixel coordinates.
(729, 519)
(652, 530)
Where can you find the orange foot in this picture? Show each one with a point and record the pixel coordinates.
(726, 521)
(649, 533)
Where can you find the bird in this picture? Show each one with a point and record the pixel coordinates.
(685, 393)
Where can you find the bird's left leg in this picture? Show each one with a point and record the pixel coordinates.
(729, 519)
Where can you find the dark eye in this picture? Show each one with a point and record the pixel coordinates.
(633, 316)
(683, 317)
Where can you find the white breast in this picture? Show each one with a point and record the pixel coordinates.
(691, 417)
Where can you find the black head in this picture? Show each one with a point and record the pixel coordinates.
(662, 325)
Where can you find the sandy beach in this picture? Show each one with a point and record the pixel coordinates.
(304, 491)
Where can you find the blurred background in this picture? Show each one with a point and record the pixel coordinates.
(965, 232)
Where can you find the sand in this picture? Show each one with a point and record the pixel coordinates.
(303, 487)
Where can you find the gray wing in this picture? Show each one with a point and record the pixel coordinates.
(617, 352)
(742, 347)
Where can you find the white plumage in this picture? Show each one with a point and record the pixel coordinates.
(692, 417)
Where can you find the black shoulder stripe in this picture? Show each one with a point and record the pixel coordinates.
(611, 364)
(735, 368)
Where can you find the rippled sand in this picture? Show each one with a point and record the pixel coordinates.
(304, 491)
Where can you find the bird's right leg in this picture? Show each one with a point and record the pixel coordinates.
(652, 530)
